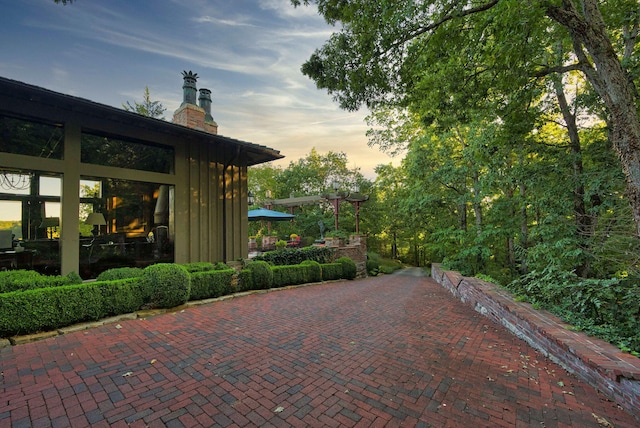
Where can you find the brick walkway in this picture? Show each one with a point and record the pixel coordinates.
(394, 350)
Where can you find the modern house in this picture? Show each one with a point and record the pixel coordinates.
(85, 186)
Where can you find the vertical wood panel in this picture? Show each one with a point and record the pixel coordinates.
(194, 202)
(204, 204)
(182, 254)
(70, 200)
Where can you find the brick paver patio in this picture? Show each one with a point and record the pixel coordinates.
(394, 350)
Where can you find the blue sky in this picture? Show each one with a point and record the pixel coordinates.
(247, 52)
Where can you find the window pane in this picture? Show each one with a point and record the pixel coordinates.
(15, 183)
(24, 137)
(108, 151)
(135, 226)
(11, 217)
(50, 186)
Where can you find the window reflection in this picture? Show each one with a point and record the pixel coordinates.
(126, 223)
(105, 150)
(25, 137)
(121, 223)
(30, 215)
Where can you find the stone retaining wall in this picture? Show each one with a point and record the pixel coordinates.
(602, 365)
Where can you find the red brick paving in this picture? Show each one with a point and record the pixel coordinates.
(387, 351)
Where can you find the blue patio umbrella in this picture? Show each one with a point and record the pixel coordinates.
(268, 215)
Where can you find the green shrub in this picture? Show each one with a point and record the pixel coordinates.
(73, 278)
(167, 284)
(213, 283)
(289, 275)
(22, 280)
(314, 270)
(261, 273)
(349, 268)
(204, 266)
(13, 280)
(292, 256)
(121, 296)
(23, 312)
(372, 267)
(120, 273)
(245, 280)
(76, 303)
(30, 311)
(281, 245)
(331, 271)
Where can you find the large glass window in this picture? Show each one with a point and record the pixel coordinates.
(25, 137)
(124, 223)
(30, 220)
(105, 150)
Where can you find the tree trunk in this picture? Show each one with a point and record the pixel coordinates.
(593, 46)
(582, 220)
(524, 229)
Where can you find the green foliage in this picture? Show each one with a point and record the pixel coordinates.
(119, 273)
(331, 271)
(245, 280)
(292, 256)
(41, 309)
(168, 285)
(204, 266)
(281, 245)
(607, 308)
(314, 270)
(349, 268)
(289, 275)
(372, 267)
(73, 278)
(121, 296)
(15, 280)
(211, 283)
(148, 108)
(262, 275)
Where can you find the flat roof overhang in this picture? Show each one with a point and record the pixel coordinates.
(36, 102)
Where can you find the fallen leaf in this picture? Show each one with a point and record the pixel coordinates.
(278, 409)
(602, 421)
(118, 326)
(560, 383)
(127, 374)
(154, 361)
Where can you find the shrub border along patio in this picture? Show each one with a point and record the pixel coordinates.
(48, 304)
(597, 362)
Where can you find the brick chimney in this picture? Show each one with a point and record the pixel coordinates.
(191, 115)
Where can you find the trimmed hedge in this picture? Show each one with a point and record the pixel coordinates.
(245, 280)
(167, 284)
(261, 273)
(211, 283)
(22, 280)
(289, 275)
(314, 270)
(120, 273)
(349, 268)
(331, 271)
(290, 256)
(30, 311)
(204, 266)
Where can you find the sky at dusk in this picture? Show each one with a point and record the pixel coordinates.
(247, 52)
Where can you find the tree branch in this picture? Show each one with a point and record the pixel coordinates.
(578, 66)
(451, 16)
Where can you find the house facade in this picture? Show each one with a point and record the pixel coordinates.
(85, 187)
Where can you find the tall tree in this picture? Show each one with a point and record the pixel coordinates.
(147, 107)
(378, 56)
